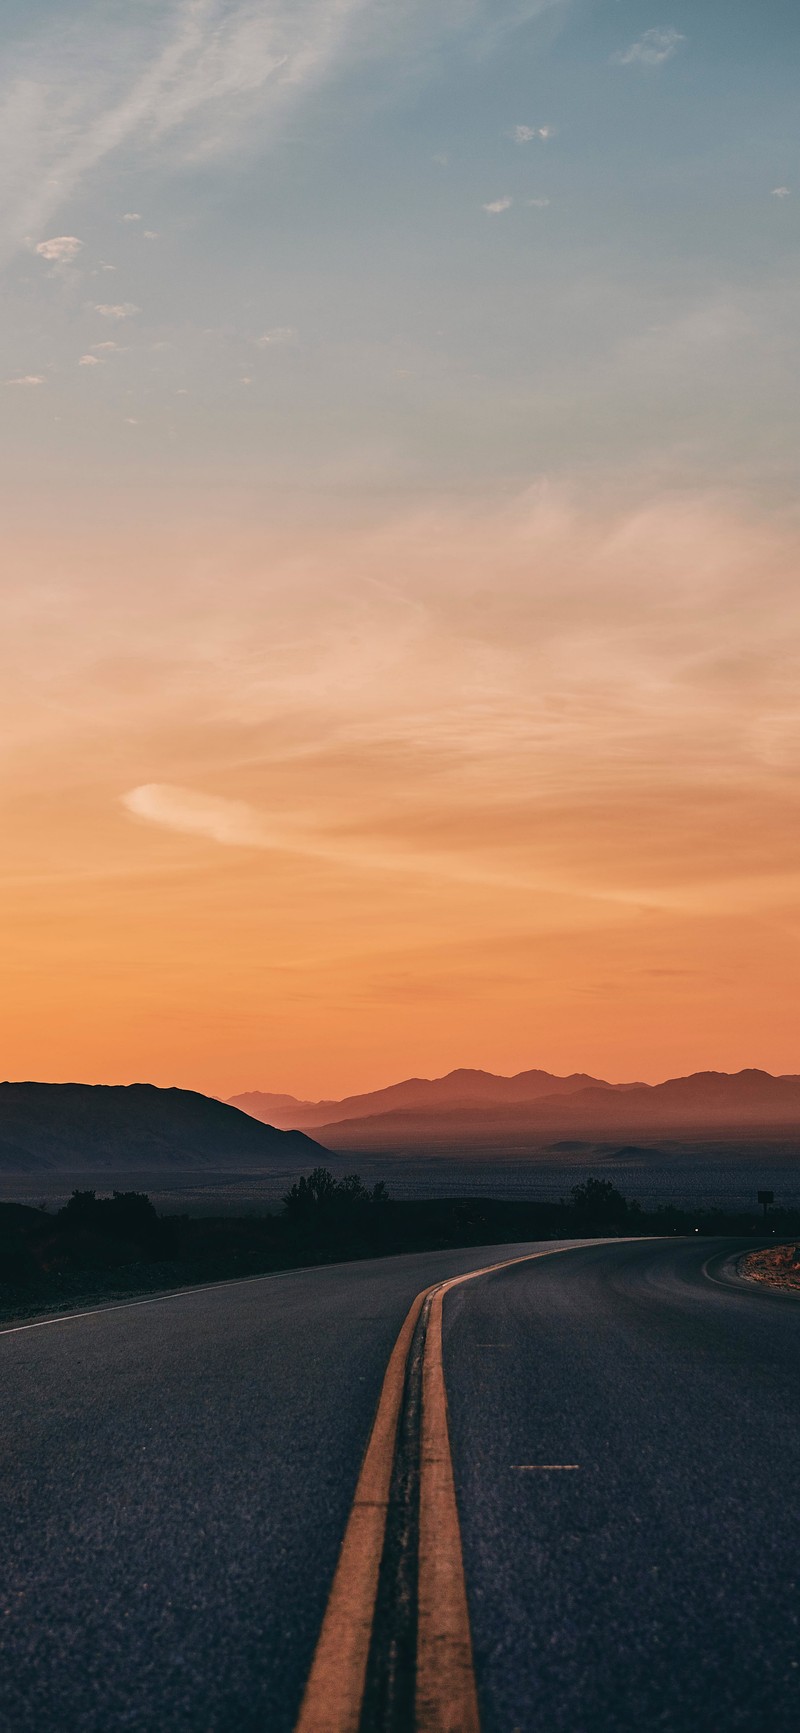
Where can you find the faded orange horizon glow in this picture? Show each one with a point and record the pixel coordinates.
(315, 808)
(399, 641)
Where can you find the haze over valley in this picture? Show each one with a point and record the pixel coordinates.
(711, 1135)
(479, 1111)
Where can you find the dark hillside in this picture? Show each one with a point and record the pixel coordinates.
(112, 1128)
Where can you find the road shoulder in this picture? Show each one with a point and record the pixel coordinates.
(777, 1266)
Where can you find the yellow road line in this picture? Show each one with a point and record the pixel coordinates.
(446, 1700)
(332, 1700)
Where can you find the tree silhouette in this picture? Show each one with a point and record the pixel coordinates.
(321, 1198)
(127, 1215)
(598, 1204)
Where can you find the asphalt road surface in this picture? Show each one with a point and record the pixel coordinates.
(655, 1585)
(177, 1477)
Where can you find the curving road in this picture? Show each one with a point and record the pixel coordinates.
(177, 1478)
(656, 1586)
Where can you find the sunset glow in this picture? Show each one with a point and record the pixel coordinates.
(400, 612)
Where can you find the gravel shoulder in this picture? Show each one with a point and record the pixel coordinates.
(778, 1266)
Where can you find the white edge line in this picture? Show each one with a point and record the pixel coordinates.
(239, 1282)
(186, 1293)
(171, 1294)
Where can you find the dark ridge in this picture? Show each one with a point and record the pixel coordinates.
(114, 1127)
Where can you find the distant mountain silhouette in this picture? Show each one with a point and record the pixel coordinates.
(458, 1088)
(475, 1110)
(93, 1127)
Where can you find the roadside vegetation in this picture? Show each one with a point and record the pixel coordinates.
(779, 1266)
(104, 1248)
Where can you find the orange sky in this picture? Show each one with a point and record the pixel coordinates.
(313, 809)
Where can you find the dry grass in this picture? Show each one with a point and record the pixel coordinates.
(778, 1265)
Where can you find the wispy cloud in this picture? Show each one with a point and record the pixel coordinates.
(232, 822)
(781, 193)
(524, 134)
(186, 70)
(459, 693)
(117, 310)
(237, 824)
(27, 379)
(201, 76)
(497, 205)
(62, 249)
(132, 217)
(278, 337)
(654, 47)
(90, 361)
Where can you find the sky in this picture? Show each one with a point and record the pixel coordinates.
(400, 614)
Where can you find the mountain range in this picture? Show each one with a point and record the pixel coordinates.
(479, 1110)
(456, 1089)
(108, 1129)
(114, 1128)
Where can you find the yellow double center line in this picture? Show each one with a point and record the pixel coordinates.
(445, 1695)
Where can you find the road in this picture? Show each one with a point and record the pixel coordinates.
(178, 1477)
(656, 1586)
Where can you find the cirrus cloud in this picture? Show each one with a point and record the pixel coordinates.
(237, 824)
(652, 49)
(231, 822)
(117, 310)
(278, 337)
(197, 78)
